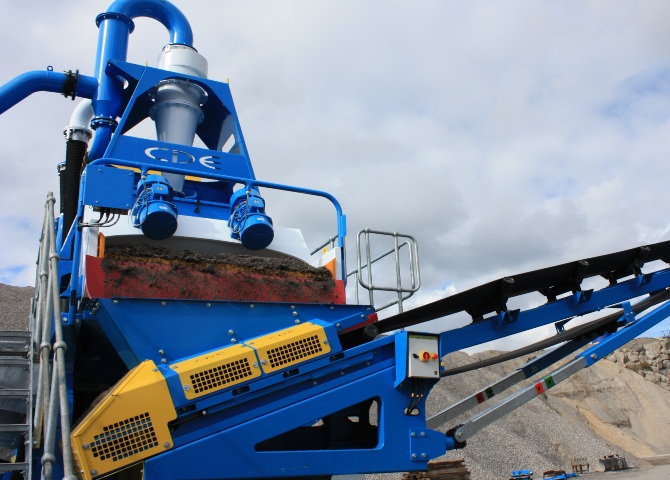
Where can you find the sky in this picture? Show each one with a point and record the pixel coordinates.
(503, 136)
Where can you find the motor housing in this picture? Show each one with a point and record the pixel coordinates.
(248, 222)
(154, 212)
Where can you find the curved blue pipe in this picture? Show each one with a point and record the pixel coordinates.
(166, 13)
(115, 27)
(28, 83)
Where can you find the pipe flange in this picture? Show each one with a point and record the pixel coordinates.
(70, 85)
(115, 16)
(104, 121)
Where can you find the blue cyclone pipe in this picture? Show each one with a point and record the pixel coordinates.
(28, 83)
(115, 26)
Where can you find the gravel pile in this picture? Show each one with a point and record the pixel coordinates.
(15, 307)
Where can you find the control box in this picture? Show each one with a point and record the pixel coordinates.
(423, 357)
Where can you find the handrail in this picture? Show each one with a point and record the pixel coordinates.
(330, 241)
(415, 274)
(51, 398)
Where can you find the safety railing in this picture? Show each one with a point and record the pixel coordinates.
(400, 241)
(51, 395)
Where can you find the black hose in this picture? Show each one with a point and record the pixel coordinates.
(74, 156)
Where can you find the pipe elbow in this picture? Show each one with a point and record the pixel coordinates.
(164, 12)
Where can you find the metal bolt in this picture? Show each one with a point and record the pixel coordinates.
(292, 307)
(233, 340)
(331, 308)
(295, 314)
(115, 302)
(94, 472)
(186, 387)
(85, 446)
(413, 434)
(594, 356)
(162, 304)
(209, 305)
(314, 382)
(423, 434)
(460, 436)
(325, 341)
(297, 321)
(231, 332)
(264, 361)
(362, 315)
(161, 352)
(338, 325)
(163, 360)
(251, 305)
(423, 455)
(414, 455)
(167, 445)
(255, 364)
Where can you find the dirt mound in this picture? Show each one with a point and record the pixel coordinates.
(261, 265)
(148, 271)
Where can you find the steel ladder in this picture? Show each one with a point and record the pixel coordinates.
(16, 363)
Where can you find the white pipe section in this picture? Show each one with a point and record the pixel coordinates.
(78, 129)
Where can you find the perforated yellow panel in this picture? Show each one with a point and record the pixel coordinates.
(291, 346)
(217, 370)
(128, 425)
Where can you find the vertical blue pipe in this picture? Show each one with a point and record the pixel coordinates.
(112, 44)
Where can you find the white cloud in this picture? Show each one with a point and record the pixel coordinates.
(504, 136)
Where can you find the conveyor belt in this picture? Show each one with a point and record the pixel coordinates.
(592, 329)
(550, 282)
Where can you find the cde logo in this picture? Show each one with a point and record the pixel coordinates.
(181, 157)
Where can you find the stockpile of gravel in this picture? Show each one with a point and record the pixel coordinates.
(15, 307)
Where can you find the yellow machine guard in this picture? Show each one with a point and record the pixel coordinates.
(217, 370)
(290, 346)
(129, 424)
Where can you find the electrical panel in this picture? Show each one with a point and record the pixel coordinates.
(423, 358)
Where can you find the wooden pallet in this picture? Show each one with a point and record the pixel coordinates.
(447, 470)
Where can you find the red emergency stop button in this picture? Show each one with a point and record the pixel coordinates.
(425, 356)
(434, 356)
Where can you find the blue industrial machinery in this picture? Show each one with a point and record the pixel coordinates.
(181, 333)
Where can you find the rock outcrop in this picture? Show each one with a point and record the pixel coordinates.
(648, 357)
